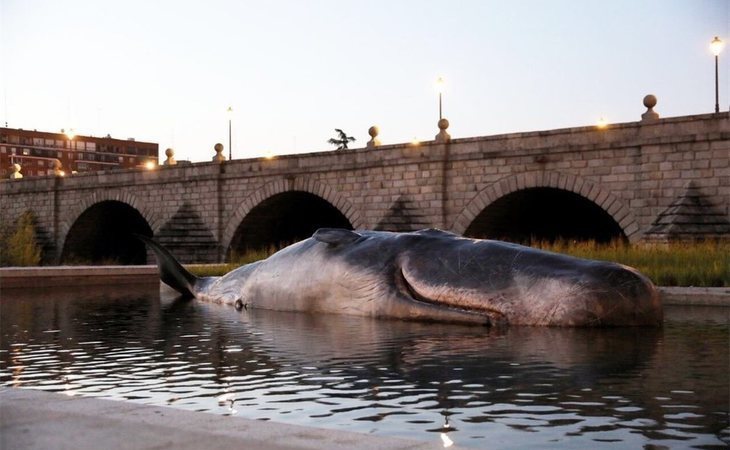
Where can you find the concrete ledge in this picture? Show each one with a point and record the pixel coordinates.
(31, 419)
(21, 277)
(699, 296)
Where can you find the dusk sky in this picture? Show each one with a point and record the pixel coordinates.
(166, 71)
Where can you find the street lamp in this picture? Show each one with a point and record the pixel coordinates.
(70, 135)
(440, 90)
(716, 47)
(230, 148)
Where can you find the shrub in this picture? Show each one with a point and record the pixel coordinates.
(19, 246)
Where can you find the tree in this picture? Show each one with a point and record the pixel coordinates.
(343, 140)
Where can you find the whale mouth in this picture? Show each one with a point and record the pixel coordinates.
(411, 288)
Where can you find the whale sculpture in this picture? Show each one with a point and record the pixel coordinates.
(429, 275)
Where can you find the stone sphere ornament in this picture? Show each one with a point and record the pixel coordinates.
(443, 137)
(170, 161)
(650, 115)
(15, 174)
(373, 132)
(219, 157)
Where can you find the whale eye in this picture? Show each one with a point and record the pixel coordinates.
(336, 236)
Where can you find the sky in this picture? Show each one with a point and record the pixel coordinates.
(166, 71)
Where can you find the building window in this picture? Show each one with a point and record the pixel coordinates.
(59, 155)
(3, 150)
(121, 159)
(91, 146)
(12, 150)
(26, 151)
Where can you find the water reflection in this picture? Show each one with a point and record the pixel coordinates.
(511, 388)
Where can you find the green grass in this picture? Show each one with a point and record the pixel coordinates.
(705, 264)
(213, 270)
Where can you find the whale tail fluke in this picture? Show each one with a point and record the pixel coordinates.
(172, 272)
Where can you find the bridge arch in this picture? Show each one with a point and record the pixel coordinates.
(118, 216)
(291, 191)
(544, 186)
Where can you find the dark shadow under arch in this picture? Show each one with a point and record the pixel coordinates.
(544, 214)
(283, 219)
(103, 234)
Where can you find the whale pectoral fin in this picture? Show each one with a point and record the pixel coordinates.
(336, 236)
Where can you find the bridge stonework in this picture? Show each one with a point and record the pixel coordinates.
(632, 171)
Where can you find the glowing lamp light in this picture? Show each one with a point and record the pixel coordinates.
(415, 142)
(70, 133)
(602, 123)
(716, 46)
(150, 165)
(440, 84)
(269, 154)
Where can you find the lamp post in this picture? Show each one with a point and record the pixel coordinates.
(440, 90)
(70, 135)
(230, 148)
(716, 47)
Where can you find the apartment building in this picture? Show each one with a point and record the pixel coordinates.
(37, 152)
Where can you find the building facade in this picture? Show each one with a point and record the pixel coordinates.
(37, 152)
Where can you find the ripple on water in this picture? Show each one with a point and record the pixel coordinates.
(518, 388)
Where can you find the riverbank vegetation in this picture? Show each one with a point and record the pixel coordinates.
(237, 260)
(703, 264)
(18, 243)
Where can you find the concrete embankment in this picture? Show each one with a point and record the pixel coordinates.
(698, 296)
(38, 277)
(32, 420)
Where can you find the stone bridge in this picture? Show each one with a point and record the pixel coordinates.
(652, 180)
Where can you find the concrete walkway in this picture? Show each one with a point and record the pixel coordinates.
(31, 419)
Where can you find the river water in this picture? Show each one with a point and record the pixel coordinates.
(515, 388)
